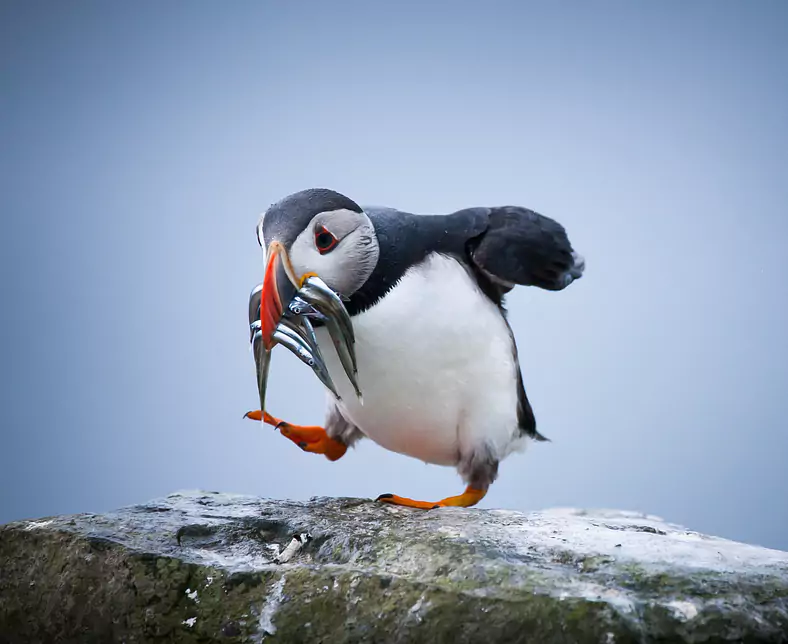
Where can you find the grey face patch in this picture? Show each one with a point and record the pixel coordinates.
(339, 223)
(349, 264)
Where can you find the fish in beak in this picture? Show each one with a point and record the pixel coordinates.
(281, 311)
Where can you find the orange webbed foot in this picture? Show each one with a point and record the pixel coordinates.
(468, 498)
(312, 439)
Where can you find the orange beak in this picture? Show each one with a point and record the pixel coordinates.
(279, 288)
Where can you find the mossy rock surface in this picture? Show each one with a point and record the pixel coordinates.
(202, 567)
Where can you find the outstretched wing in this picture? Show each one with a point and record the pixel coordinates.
(521, 246)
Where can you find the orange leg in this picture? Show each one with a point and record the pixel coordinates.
(465, 500)
(310, 439)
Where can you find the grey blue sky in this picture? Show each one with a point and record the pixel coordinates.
(140, 141)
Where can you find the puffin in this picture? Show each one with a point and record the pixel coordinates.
(434, 372)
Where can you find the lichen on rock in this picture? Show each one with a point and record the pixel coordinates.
(198, 566)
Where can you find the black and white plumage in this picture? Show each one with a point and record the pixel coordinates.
(437, 360)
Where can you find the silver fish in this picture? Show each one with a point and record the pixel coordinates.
(262, 361)
(337, 320)
(316, 291)
(290, 339)
(345, 351)
(314, 301)
(254, 327)
(301, 325)
(262, 356)
(299, 307)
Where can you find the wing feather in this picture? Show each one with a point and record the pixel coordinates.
(521, 246)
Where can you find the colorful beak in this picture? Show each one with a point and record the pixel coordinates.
(279, 288)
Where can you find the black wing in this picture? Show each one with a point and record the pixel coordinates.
(523, 247)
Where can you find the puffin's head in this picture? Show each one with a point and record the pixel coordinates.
(313, 232)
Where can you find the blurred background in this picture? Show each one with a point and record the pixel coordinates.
(141, 141)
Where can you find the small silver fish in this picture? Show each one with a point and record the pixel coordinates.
(319, 296)
(315, 301)
(262, 361)
(298, 321)
(299, 307)
(316, 292)
(287, 338)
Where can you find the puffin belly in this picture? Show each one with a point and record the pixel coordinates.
(435, 367)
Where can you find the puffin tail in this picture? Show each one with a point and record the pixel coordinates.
(525, 413)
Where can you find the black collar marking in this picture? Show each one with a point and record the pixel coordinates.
(406, 239)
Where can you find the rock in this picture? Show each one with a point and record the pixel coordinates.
(202, 567)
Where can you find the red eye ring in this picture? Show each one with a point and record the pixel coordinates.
(324, 240)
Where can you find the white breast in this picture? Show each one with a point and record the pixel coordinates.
(436, 368)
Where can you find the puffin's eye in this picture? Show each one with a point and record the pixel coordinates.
(324, 240)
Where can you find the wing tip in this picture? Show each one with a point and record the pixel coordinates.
(577, 269)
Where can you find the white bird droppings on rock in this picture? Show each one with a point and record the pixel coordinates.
(35, 525)
(684, 610)
(271, 607)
